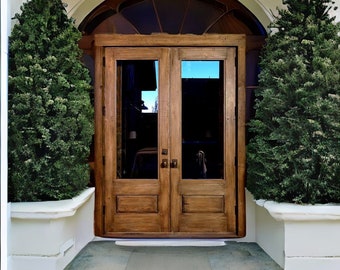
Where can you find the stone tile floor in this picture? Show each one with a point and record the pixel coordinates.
(106, 255)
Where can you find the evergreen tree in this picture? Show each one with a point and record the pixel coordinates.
(294, 155)
(50, 113)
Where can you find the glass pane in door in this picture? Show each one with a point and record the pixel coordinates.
(202, 119)
(137, 119)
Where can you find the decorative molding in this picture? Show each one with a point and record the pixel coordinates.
(50, 209)
(295, 212)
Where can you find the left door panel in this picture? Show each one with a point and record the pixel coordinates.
(136, 141)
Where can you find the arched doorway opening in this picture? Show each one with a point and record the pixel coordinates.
(177, 171)
(172, 17)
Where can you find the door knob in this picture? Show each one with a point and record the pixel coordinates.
(164, 163)
(174, 163)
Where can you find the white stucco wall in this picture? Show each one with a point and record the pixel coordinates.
(3, 142)
(48, 235)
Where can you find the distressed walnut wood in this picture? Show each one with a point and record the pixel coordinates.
(137, 204)
(203, 204)
(169, 206)
(98, 140)
(161, 40)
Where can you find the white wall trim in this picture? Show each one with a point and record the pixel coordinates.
(50, 209)
(50, 237)
(294, 212)
(308, 235)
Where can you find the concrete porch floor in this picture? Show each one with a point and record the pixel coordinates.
(106, 255)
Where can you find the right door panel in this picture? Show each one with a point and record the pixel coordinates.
(203, 141)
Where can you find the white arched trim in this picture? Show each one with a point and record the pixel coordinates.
(79, 9)
(264, 10)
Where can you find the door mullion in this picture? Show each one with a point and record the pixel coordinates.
(164, 138)
(176, 136)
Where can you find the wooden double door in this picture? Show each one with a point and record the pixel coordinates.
(170, 142)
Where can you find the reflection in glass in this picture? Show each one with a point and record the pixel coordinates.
(137, 134)
(202, 122)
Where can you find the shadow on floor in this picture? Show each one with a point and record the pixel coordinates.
(105, 255)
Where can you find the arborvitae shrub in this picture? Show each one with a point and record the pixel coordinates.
(50, 113)
(294, 154)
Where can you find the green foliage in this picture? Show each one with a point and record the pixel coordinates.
(50, 114)
(294, 155)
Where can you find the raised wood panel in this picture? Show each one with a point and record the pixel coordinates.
(202, 187)
(137, 204)
(203, 204)
(136, 187)
(203, 222)
(137, 223)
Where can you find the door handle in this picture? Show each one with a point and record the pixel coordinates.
(174, 163)
(164, 163)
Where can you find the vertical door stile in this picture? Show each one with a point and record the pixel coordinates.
(230, 140)
(110, 141)
(98, 139)
(164, 138)
(175, 97)
(241, 139)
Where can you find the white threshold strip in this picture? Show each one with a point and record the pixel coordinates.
(170, 242)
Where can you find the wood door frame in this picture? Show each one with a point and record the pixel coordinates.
(165, 40)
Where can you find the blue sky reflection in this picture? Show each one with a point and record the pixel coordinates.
(190, 69)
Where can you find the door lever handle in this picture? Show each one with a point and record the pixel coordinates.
(164, 163)
(174, 163)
